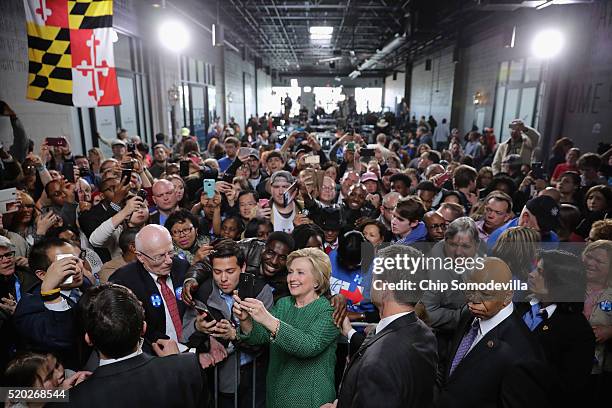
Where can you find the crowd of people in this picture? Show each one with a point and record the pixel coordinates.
(239, 270)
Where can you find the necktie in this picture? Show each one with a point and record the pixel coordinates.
(534, 316)
(465, 345)
(328, 249)
(170, 301)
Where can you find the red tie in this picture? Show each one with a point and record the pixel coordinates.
(328, 249)
(170, 301)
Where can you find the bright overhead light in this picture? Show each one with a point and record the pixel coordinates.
(320, 36)
(307, 89)
(321, 30)
(294, 82)
(173, 35)
(547, 43)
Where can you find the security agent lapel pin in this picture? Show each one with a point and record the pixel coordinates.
(545, 327)
(490, 344)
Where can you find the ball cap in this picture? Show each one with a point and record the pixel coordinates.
(546, 211)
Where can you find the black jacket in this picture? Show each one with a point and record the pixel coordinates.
(568, 343)
(396, 368)
(506, 368)
(138, 279)
(143, 381)
(90, 220)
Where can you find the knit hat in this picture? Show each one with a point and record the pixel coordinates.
(546, 211)
(330, 219)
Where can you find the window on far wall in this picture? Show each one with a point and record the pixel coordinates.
(517, 94)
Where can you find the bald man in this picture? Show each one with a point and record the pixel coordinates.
(495, 361)
(164, 197)
(436, 226)
(156, 278)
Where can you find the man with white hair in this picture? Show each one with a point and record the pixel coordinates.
(156, 278)
(164, 197)
(386, 209)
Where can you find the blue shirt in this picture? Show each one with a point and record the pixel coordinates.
(224, 163)
(229, 301)
(550, 238)
(352, 284)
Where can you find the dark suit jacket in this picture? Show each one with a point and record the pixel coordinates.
(505, 368)
(143, 381)
(568, 343)
(136, 277)
(396, 368)
(43, 330)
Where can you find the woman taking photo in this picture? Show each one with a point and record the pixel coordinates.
(301, 333)
(187, 242)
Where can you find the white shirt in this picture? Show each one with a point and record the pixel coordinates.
(486, 326)
(170, 330)
(281, 223)
(381, 324)
(116, 360)
(388, 320)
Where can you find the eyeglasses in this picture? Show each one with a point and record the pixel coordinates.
(7, 255)
(183, 232)
(159, 258)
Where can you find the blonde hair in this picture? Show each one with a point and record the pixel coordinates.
(517, 247)
(321, 266)
(606, 246)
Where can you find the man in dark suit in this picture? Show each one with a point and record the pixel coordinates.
(495, 361)
(396, 365)
(554, 316)
(114, 321)
(45, 317)
(156, 278)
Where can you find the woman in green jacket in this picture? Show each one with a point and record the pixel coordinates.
(301, 333)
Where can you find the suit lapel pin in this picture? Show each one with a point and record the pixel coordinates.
(545, 327)
(490, 344)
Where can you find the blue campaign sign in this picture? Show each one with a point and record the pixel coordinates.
(606, 305)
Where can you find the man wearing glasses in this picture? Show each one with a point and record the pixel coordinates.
(156, 278)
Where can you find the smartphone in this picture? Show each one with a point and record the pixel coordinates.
(142, 194)
(184, 168)
(287, 194)
(312, 159)
(246, 286)
(70, 278)
(131, 147)
(201, 308)
(263, 202)
(537, 170)
(8, 201)
(208, 187)
(282, 139)
(56, 141)
(366, 152)
(350, 146)
(126, 176)
(68, 171)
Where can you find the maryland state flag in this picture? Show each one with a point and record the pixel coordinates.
(70, 48)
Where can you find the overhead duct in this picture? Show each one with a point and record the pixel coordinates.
(379, 55)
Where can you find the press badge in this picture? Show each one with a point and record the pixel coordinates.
(156, 300)
(606, 305)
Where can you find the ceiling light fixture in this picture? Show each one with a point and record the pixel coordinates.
(323, 30)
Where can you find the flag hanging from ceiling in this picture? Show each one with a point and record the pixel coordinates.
(70, 48)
